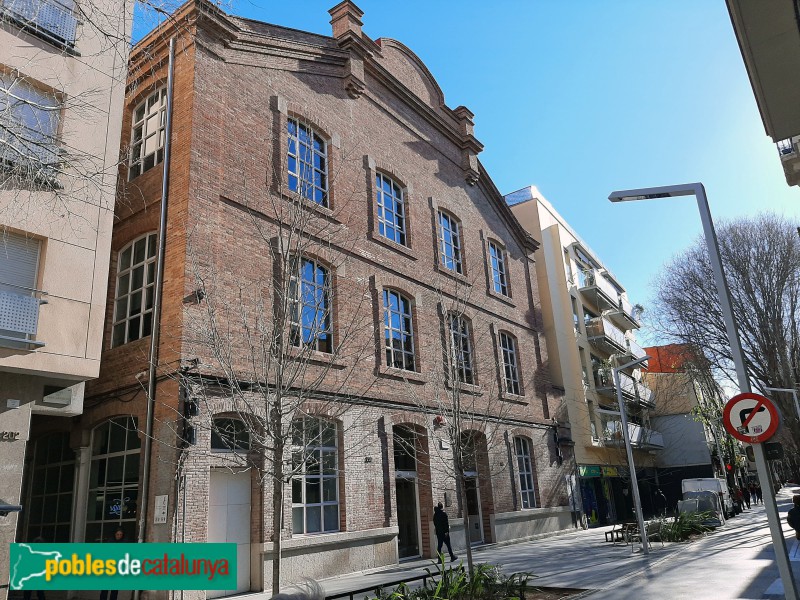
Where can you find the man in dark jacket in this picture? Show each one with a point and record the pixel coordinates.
(442, 527)
(793, 518)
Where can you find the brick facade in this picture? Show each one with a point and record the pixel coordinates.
(237, 82)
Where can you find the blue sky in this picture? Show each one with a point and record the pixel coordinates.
(581, 98)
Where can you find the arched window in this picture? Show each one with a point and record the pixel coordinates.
(147, 135)
(48, 513)
(136, 275)
(522, 449)
(391, 209)
(113, 480)
(398, 331)
(310, 292)
(229, 434)
(461, 348)
(497, 263)
(307, 162)
(450, 242)
(510, 364)
(315, 483)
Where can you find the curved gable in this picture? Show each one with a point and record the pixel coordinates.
(410, 71)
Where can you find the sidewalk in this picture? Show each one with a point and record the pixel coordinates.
(736, 561)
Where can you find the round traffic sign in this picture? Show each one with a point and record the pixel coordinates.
(751, 418)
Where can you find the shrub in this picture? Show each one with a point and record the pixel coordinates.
(454, 583)
(684, 525)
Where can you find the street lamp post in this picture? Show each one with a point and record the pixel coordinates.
(791, 391)
(637, 501)
(698, 191)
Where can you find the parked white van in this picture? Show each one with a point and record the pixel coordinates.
(711, 484)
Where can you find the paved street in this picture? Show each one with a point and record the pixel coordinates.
(737, 561)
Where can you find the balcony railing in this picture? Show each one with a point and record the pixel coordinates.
(625, 315)
(593, 283)
(646, 395)
(641, 437)
(601, 332)
(19, 316)
(634, 351)
(51, 20)
(786, 147)
(604, 384)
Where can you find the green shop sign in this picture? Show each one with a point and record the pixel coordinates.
(123, 567)
(589, 471)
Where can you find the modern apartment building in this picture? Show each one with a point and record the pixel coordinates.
(323, 182)
(768, 33)
(590, 327)
(62, 84)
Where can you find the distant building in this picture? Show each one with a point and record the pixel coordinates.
(768, 32)
(62, 86)
(688, 443)
(590, 326)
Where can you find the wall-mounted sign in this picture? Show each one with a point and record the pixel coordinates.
(589, 471)
(9, 436)
(160, 513)
(610, 472)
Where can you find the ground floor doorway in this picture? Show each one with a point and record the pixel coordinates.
(475, 522)
(229, 522)
(408, 536)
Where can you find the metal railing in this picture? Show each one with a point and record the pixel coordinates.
(51, 20)
(785, 147)
(602, 327)
(593, 278)
(635, 350)
(19, 315)
(641, 437)
(377, 588)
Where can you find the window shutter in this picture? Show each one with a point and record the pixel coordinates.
(19, 260)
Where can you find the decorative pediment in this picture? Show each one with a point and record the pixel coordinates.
(410, 71)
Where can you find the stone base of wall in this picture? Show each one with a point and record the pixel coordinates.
(320, 556)
(527, 524)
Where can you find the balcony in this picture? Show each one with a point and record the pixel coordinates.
(602, 334)
(625, 315)
(593, 285)
(641, 437)
(646, 395)
(787, 150)
(633, 352)
(53, 21)
(604, 384)
(19, 316)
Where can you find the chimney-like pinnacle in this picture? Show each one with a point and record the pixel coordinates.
(346, 18)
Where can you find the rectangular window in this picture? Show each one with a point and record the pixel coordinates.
(525, 472)
(29, 120)
(398, 331)
(450, 243)
(310, 290)
(19, 298)
(391, 209)
(498, 268)
(148, 133)
(307, 162)
(315, 476)
(461, 349)
(508, 349)
(576, 318)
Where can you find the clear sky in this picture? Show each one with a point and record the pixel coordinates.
(583, 97)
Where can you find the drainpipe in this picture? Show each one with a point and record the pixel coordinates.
(159, 285)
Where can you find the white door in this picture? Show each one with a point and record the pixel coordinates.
(229, 521)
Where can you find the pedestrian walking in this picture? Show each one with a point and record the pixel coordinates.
(793, 518)
(753, 496)
(759, 494)
(119, 538)
(745, 496)
(441, 525)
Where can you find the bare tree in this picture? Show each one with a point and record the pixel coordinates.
(276, 351)
(761, 258)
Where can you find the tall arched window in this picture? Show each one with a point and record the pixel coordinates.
(398, 331)
(113, 480)
(461, 348)
(229, 434)
(391, 209)
(315, 480)
(307, 162)
(450, 242)
(136, 276)
(522, 448)
(310, 292)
